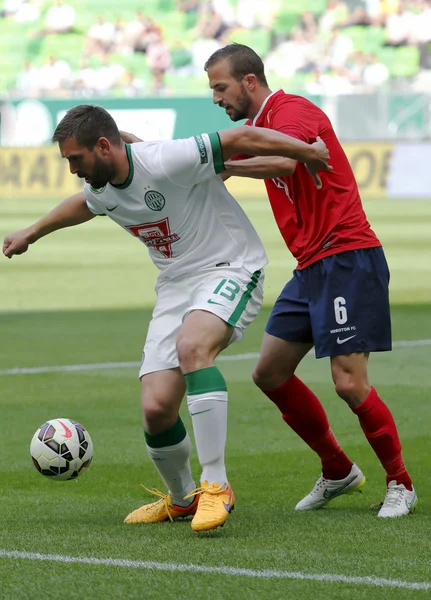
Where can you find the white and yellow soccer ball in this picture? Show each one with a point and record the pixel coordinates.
(61, 449)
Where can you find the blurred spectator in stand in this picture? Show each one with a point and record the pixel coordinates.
(211, 24)
(107, 76)
(159, 61)
(296, 54)
(119, 44)
(253, 14)
(139, 32)
(356, 64)
(27, 83)
(83, 80)
(54, 78)
(375, 74)
(373, 9)
(314, 85)
(226, 9)
(11, 7)
(388, 7)
(200, 50)
(22, 11)
(100, 37)
(338, 48)
(59, 19)
(190, 8)
(131, 86)
(337, 82)
(331, 83)
(358, 17)
(399, 26)
(334, 14)
(308, 26)
(420, 34)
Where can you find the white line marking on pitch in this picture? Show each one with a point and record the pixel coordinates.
(172, 567)
(125, 365)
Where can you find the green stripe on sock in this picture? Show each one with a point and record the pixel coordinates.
(233, 319)
(170, 437)
(205, 380)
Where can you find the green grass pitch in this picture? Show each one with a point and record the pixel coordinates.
(84, 296)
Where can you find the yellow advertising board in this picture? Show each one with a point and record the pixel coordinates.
(370, 163)
(36, 172)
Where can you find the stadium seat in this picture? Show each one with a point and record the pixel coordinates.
(375, 38)
(284, 23)
(401, 62)
(358, 35)
(406, 61)
(258, 39)
(387, 55)
(68, 48)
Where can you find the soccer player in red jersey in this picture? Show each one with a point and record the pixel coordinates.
(337, 299)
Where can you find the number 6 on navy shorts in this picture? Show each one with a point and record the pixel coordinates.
(340, 304)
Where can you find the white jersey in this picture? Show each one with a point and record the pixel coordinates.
(176, 204)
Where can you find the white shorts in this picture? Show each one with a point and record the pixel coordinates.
(233, 294)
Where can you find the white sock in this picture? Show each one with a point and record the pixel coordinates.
(173, 464)
(209, 415)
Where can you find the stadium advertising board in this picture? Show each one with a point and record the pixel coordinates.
(28, 172)
(410, 173)
(35, 172)
(370, 163)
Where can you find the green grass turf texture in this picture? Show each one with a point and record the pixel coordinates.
(85, 296)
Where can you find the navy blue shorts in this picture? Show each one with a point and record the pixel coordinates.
(340, 304)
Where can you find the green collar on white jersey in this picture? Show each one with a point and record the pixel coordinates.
(129, 179)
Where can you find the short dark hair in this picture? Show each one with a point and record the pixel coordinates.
(87, 124)
(243, 61)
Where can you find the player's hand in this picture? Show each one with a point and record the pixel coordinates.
(320, 163)
(16, 243)
(315, 175)
(129, 138)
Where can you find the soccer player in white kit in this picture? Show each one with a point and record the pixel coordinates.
(168, 195)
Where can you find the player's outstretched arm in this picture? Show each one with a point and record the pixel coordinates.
(268, 167)
(261, 167)
(71, 211)
(266, 142)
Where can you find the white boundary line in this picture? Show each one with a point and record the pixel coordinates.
(124, 365)
(173, 567)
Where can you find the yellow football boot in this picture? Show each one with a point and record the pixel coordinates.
(161, 510)
(215, 504)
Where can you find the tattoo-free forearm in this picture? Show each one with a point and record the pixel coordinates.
(72, 211)
(261, 167)
(265, 142)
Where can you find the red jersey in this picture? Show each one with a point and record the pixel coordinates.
(314, 223)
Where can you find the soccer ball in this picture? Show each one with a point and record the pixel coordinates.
(61, 449)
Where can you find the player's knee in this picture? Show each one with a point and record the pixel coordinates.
(270, 375)
(351, 390)
(192, 354)
(157, 416)
(263, 378)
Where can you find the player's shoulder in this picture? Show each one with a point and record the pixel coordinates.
(144, 148)
(145, 155)
(297, 108)
(292, 100)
